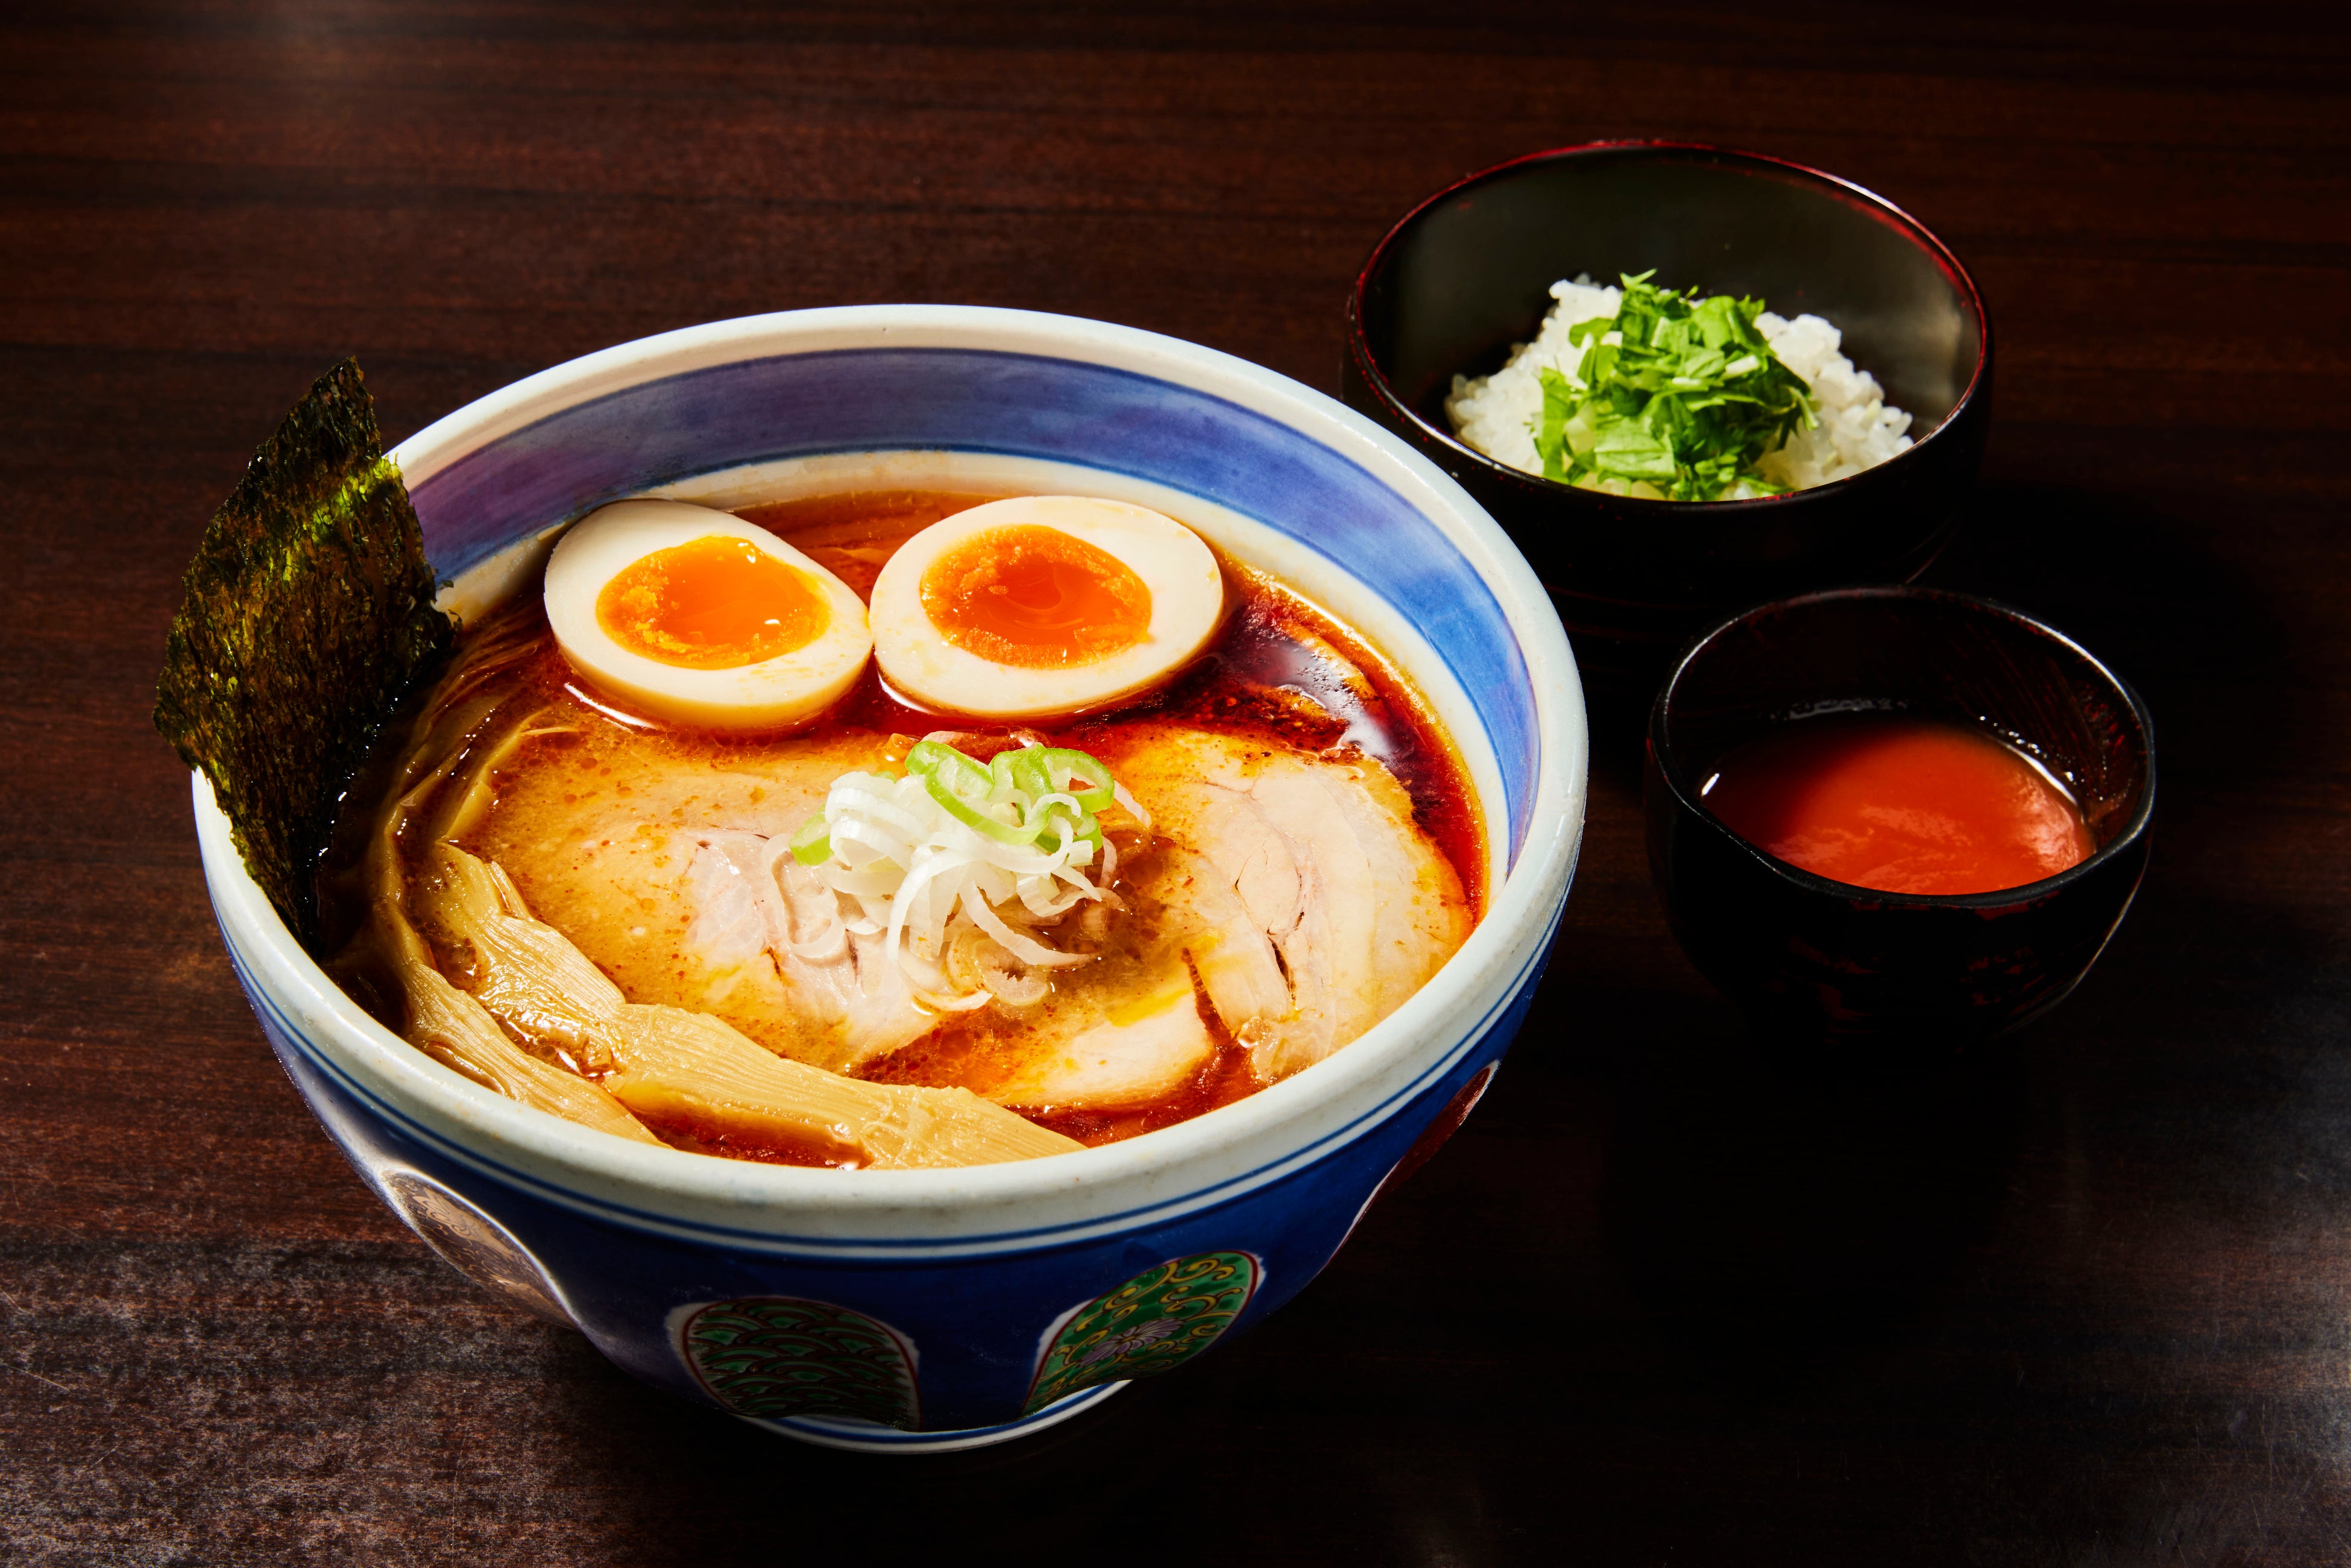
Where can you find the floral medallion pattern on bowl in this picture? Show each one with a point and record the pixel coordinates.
(772, 1356)
(1153, 1324)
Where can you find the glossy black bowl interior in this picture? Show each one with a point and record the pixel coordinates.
(1469, 273)
(1836, 963)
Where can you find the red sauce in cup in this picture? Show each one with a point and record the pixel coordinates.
(1900, 805)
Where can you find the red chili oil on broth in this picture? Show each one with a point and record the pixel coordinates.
(1900, 805)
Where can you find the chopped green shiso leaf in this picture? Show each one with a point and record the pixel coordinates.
(309, 616)
(1689, 400)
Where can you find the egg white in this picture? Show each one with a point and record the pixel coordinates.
(1187, 600)
(774, 694)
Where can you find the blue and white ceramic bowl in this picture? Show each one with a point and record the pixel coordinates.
(915, 1310)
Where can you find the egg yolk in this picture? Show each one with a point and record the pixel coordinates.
(1035, 597)
(712, 603)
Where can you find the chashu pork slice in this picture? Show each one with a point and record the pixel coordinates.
(1097, 1058)
(666, 866)
(764, 921)
(1313, 862)
(1121, 1031)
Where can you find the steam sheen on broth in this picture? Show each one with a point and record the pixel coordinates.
(600, 910)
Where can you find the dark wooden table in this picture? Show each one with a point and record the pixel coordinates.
(1659, 1303)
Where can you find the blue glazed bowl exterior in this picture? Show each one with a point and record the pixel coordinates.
(936, 1309)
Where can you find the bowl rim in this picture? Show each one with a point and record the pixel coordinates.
(1853, 193)
(1669, 770)
(1436, 1021)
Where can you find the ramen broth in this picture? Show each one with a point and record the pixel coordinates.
(1282, 691)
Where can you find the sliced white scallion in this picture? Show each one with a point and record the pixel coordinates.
(959, 862)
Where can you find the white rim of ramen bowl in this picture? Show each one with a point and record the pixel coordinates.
(981, 1209)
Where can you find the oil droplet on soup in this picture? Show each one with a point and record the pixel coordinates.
(1035, 597)
(1900, 805)
(712, 604)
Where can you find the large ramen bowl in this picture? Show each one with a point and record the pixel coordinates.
(930, 1309)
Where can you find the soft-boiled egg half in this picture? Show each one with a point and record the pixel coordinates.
(689, 614)
(1043, 605)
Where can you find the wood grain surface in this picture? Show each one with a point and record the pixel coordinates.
(1660, 1303)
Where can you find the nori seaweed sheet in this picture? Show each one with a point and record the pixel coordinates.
(309, 615)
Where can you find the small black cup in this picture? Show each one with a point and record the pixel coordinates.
(1845, 965)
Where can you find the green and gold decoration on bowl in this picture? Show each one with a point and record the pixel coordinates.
(1153, 1324)
(774, 1357)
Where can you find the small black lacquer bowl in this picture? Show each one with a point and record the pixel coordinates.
(1899, 974)
(1467, 273)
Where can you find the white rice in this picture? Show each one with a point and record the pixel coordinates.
(1497, 414)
